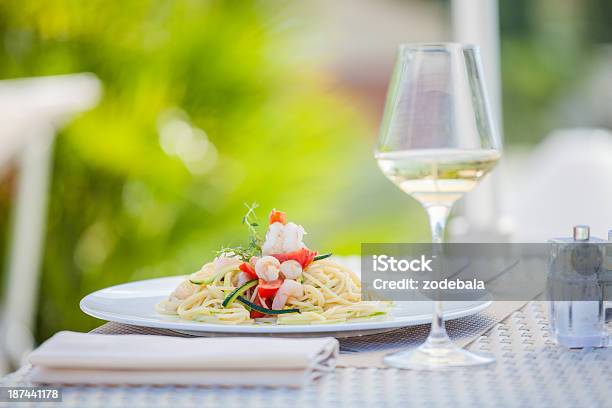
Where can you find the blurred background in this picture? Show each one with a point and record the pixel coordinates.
(140, 168)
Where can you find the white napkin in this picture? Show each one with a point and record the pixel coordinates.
(85, 358)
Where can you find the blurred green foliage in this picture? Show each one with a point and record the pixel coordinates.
(206, 106)
(546, 51)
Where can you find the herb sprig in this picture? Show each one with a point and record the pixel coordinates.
(250, 220)
(255, 240)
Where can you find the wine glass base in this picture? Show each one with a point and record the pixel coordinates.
(426, 357)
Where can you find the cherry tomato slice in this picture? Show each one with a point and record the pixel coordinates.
(254, 314)
(304, 256)
(268, 289)
(248, 269)
(278, 216)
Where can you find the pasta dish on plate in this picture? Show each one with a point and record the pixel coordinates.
(272, 280)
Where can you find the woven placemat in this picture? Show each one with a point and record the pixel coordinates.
(368, 350)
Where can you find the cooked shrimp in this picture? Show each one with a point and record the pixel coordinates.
(224, 260)
(283, 238)
(183, 291)
(291, 269)
(293, 235)
(242, 279)
(207, 269)
(274, 239)
(289, 288)
(267, 268)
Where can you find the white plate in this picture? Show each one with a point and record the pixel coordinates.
(134, 303)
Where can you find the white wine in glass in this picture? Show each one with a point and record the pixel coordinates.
(437, 176)
(437, 141)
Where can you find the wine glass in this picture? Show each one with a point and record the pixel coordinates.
(436, 142)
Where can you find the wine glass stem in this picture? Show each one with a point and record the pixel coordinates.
(438, 214)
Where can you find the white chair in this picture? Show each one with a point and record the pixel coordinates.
(30, 111)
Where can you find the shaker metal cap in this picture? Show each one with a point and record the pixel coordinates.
(582, 232)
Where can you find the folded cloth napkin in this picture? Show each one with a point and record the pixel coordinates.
(86, 358)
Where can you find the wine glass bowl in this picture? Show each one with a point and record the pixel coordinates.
(437, 99)
(437, 141)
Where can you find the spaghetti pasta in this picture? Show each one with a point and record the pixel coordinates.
(332, 294)
(277, 279)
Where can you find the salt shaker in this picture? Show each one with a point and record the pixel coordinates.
(575, 290)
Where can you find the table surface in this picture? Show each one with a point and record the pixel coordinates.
(530, 371)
